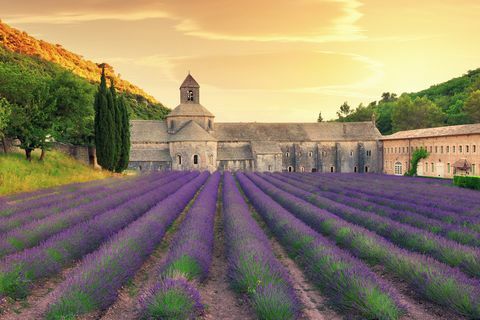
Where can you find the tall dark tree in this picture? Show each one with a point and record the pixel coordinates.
(113, 105)
(125, 135)
(320, 118)
(104, 126)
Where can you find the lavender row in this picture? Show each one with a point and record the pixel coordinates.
(431, 279)
(19, 270)
(95, 282)
(413, 194)
(447, 251)
(188, 260)
(347, 281)
(77, 198)
(456, 233)
(470, 222)
(54, 196)
(34, 232)
(253, 269)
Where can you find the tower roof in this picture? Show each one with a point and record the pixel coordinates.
(189, 82)
(190, 110)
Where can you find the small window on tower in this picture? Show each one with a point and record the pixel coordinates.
(195, 159)
(190, 95)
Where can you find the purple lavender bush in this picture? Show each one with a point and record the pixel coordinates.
(189, 258)
(431, 279)
(347, 281)
(447, 251)
(95, 282)
(18, 271)
(253, 269)
(34, 232)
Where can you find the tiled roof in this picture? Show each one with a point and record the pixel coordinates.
(323, 131)
(230, 152)
(148, 131)
(191, 131)
(265, 147)
(463, 129)
(150, 155)
(190, 109)
(190, 82)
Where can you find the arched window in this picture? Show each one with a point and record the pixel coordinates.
(179, 159)
(190, 95)
(290, 168)
(195, 159)
(332, 169)
(310, 154)
(302, 169)
(287, 154)
(210, 126)
(398, 168)
(269, 167)
(366, 169)
(354, 169)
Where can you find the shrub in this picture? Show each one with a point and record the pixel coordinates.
(467, 182)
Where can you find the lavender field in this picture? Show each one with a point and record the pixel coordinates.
(195, 245)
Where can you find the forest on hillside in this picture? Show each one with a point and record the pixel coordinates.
(456, 101)
(41, 101)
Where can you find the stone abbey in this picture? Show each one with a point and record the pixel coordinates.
(190, 139)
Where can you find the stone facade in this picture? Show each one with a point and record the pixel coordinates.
(189, 139)
(449, 148)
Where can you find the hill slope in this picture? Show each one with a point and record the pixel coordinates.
(18, 175)
(144, 106)
(447, 99)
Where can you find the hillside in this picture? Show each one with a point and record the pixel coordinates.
(17, 175)
(144, 106)
(441, 104)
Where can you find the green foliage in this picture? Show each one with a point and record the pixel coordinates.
(450, 103)
(186, 266)
(125, 136)
(320, 118)
(5, 113)
(417, 155)
(171, 304)
(57, 169)
(112, 128)
(467, 182)
(416, 113)
(472, 106)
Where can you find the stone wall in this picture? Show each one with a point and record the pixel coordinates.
(444, 152)
(150, 165)
(206, 153)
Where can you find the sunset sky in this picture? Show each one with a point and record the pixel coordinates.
(264, 60)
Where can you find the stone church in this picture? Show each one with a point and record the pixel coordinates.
(190, 139)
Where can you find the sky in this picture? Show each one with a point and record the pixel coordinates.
(265, 60)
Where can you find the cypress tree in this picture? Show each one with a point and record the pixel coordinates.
(117, 125)
(103, 125)
(125, 136)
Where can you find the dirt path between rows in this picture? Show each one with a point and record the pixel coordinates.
(221, 302)
(315, 305)
(35, 305)
(125, 307)
(417, 308)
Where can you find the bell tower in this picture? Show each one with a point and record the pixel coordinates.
(190, 91)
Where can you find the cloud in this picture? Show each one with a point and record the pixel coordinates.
(279, 71)
(247, 20)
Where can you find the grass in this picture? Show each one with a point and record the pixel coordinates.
(19, 175)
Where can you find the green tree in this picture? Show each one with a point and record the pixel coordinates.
(117, 124)
(74, 112)
(416, 113)
(320, 118)
(417, 155)
(472, 107)
(388, 97)
(104, 126)
(344, 111)
(125, 135)
(5, 112)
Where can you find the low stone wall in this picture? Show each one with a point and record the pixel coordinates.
(80, 153)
